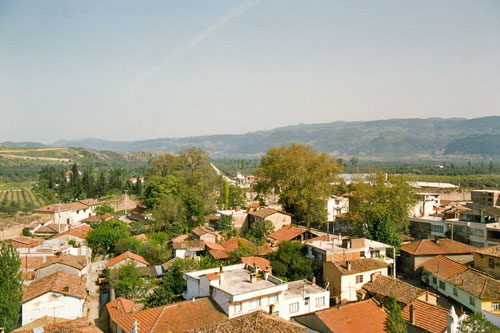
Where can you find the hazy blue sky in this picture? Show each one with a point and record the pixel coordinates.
(128, 70)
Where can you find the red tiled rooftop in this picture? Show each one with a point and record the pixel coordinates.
(286, 233)
(431, 318)
(176, 317)
(120, 306)
(443, 267)
(256, 262)
(124, 256)
(359, 317)
(233, 243)
(60, 282)
(431, 247)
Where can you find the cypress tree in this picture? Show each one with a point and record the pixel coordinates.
(11, 291)
(394, 322)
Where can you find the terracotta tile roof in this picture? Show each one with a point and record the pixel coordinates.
(179, 238)
(91, 219)
(79, 325)
(477, 284)
(141, 237)
(255, 322)
(173, 317)
(462, 208)
(430, 247)
(233, 243)
(60, 282)
(81, 232)
(406, 238)
(319, 238)
(120, 306)
(214, 246)
(360, 265)
(493, 251)
(31, 262)
(493, 211)
(265, 212)
(200, 231)
(217, 254)
(263, 250)
(358, 317)
(90, 202)
(286, 233)
(124, 256)
(443, 267)
(28, 241)
(384, 286)
(78, 262)
(431, 318)
(61, 207)
(256, 262)
(106, 216)
(445, 202)
(40, 322)
(191, 244)
(50, 228)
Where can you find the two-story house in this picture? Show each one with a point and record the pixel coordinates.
(242, 288)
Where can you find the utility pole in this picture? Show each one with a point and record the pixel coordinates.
(125, 201)
(394, 262)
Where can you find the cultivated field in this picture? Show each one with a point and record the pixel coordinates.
(24, 197)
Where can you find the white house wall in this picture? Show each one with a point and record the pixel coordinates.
(349, 285)
(54, 305)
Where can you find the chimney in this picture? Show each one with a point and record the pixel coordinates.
(253, 277)
(412, 314)
(265, 275)
(118, 305)
(314, 280)
(427, 295)
(436, 239)
(348, 264)
(340, 237)
(271, 309)
(193, 299)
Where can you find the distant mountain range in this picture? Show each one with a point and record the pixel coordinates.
(392, 138)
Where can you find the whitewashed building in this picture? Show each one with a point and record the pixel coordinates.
(241, 289)
(60, 295)
(337, 206)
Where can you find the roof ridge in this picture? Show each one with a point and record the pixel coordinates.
(158, 319)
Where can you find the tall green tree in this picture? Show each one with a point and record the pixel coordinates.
(379, 209)
(128, 282)
(11, 291)
(260, 230)
(394, 322)
(101, 184)
(105, 235)
(289, 262)
(301, 177)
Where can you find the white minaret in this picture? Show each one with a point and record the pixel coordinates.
(453, 321)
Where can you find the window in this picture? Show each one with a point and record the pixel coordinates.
(476, 244)
(306, 301)
(495, 306)
(320, 301)
(434, 280)
(359, 278)
(491, 263)
(438, 228)
(442, 285)
(238, 307)
(273, 299)
(477, 232)
(362, 254)
(255, 303)
(472, 301)
(455, 291)
(375, 254)
(294, 307)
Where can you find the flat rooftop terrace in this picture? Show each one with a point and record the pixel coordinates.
(297, 288)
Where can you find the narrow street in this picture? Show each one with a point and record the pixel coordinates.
(91, 307)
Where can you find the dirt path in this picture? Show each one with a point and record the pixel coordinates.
(91, 307)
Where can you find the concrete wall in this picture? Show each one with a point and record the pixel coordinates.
(52, 304)
(462, 297)
(303, 308)
(482, 262)
(57, 267)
